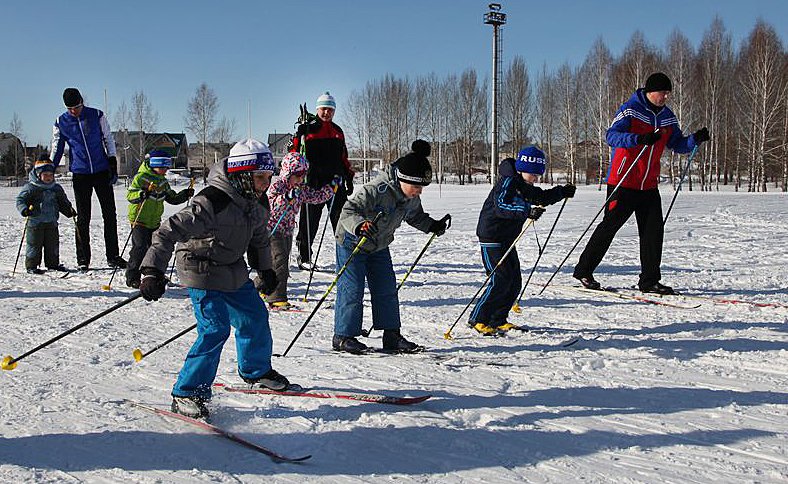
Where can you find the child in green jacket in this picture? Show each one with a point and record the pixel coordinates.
(147, 193)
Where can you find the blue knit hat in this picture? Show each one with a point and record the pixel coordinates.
(326, 101)
(159, 159)
(531, 160)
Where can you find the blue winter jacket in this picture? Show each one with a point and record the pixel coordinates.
(47, 199)
(507, 206)
(89, 140)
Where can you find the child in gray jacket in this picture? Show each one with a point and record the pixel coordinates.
(372, 216)
(41, 201)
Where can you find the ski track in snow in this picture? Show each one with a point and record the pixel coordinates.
(647, 394)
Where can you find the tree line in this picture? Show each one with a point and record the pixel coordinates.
(740, 95)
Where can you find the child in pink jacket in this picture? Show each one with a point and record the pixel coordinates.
(286, 195)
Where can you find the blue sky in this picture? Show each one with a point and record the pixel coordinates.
(280, 54)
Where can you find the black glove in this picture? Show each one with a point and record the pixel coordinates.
(152, 285)
(266, 281)
(71, 212)
(439, 227)
(30, 211)
(536, 212)
(144, 194)
(701, 135)
(368, 229)
(569, 190)
(349, 185)
(113, 169)
(648, 138)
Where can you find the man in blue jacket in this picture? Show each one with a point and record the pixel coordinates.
(94, 167)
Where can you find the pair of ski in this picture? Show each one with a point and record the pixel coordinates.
(524, 329)
(293, 392)
(665, 299)
(616, 294)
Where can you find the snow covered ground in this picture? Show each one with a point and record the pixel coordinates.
(649, 394)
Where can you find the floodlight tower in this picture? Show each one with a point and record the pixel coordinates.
(496, 18)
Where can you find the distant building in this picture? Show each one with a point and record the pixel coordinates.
(213, 153)
(278, 144)
(127, 144)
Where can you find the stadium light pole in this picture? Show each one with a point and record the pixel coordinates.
(496, 18)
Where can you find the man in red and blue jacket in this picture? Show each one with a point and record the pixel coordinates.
(642, 122)
(94, 167)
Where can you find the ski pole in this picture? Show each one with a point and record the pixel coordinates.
(139, 355)
(108, 286)
(320, 244)
(172, 268)
(9, 362)
(447, 334)
(367, 332)
(516, 307)
(24, 231)
(681, 180)
(609, 197)
(356, 250)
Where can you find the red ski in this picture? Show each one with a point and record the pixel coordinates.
(361, 397)
(218, 431)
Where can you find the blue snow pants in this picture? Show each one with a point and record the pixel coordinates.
(216, 311)
(378, 271)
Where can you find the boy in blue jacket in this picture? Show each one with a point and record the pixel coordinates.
(41, 201)
(512, 201)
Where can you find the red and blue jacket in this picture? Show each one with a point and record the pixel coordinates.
(636, 117)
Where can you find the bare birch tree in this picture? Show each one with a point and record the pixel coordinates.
(15, 128)
(715, 59)
(516, 104)
(545, 120)
(144, 117)
(225, 130)
(566, 84)
(678, 63)
(597, 71)
(763, 88)
(201, 118)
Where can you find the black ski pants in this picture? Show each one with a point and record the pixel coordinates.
(309, 220)
(497, 299)
(84, 185)
(140, 243)
(44, 236)
(647, 207)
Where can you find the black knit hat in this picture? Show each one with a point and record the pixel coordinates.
(71, 97)
(414, 168)
(658, 82)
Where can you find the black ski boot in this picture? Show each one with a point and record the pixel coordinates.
(117, 262)
(193, 407)
(394, 342)
(271, 380)
(348, 344)
(589, 282)
(35, 270)
(658, 289)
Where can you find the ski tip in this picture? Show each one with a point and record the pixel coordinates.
(8, 363)
(281, 459)
(137, 354)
